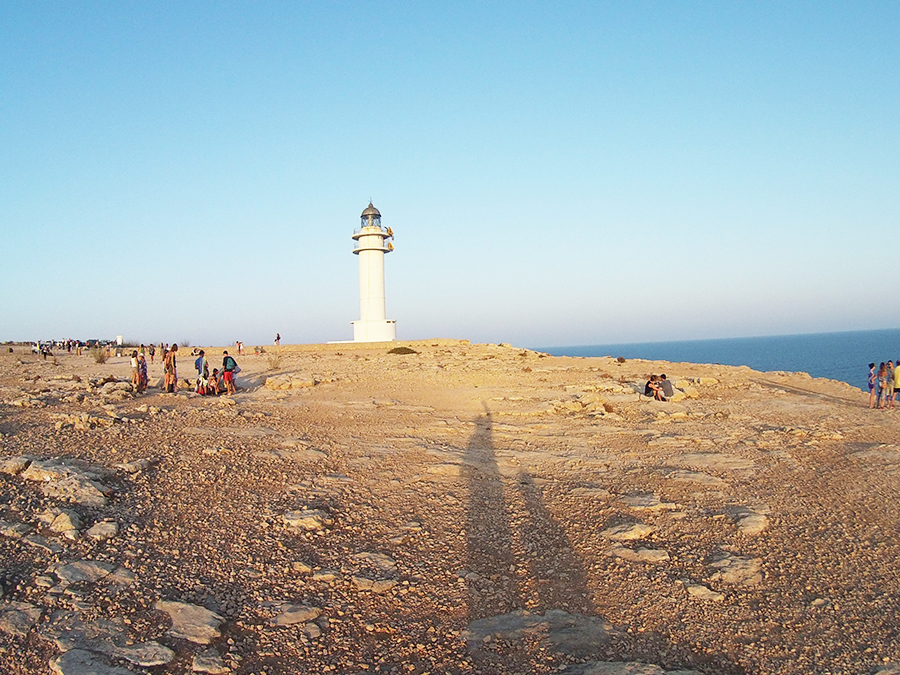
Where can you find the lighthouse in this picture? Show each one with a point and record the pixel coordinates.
(370, 243)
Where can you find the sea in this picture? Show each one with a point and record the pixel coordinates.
(838, 356)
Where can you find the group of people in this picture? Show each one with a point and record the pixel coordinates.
(215, 383)
(211, 384)
(884, 384)
(659, 388)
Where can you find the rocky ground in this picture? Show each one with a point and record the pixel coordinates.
(460, 509)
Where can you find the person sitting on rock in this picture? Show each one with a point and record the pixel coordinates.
(667, 389)
(213, 386)
(653, 390)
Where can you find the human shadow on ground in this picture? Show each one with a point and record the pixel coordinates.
(521, 562)
(493, 585)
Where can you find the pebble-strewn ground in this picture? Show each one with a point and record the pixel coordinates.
(462, 509)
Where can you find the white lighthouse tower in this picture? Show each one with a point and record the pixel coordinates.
(370, 244)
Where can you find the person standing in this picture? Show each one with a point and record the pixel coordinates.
(277, 339)
(889, 385)
(871, 381)
(171, 370)
(229, 365)
(202, 373)
(896, 380)
(152, 352)
(880, 384)
(135, 370)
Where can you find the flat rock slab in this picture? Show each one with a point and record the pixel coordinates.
(81, 662)
(716, 461)
(70, 631)
(374, 585)
(103, 530)
(209, 662)
(14, 530)
(628, 532)
(84, 570)
(69, 480)
(750, 521)
(648, 555)
(310, 519)
(622, 668)
(13, 466)
(702, 592)
(572, 634)
(698, 477)
(294, 614)
(647, 502)
(738, 570)
(17, 618)
(191, 622)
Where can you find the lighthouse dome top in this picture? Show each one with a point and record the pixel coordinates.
(370, 211)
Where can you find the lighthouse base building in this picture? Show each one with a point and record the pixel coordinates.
(374, 331)
(371, 242)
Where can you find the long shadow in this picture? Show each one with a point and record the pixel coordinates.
(531, 566)
(559, 579)
(520, 557)
(493, 585)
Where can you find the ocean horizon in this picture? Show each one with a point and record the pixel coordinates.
(843, 356)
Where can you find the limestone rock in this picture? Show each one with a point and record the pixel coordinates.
(294, 614)
(84, 570)
(374, 585)
(209, 662)
(702, 592)
(13, 466)
(103, 530)
(17, 618)
(190, 622)
(628, 532)
(647, 502)
(684, 476)
(294, 381)
(65, 522)
(81, 662)
(70, 631)
(68, 480)
(750, 520)
(14, 530)
(310, 519)
(622, 668)
(738, 570)
(648, 555)
(136, 466)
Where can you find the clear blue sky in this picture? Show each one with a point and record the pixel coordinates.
(555, 172)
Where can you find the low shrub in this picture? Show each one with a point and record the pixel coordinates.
(274, 361)
(402, 350)
(99, 354)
